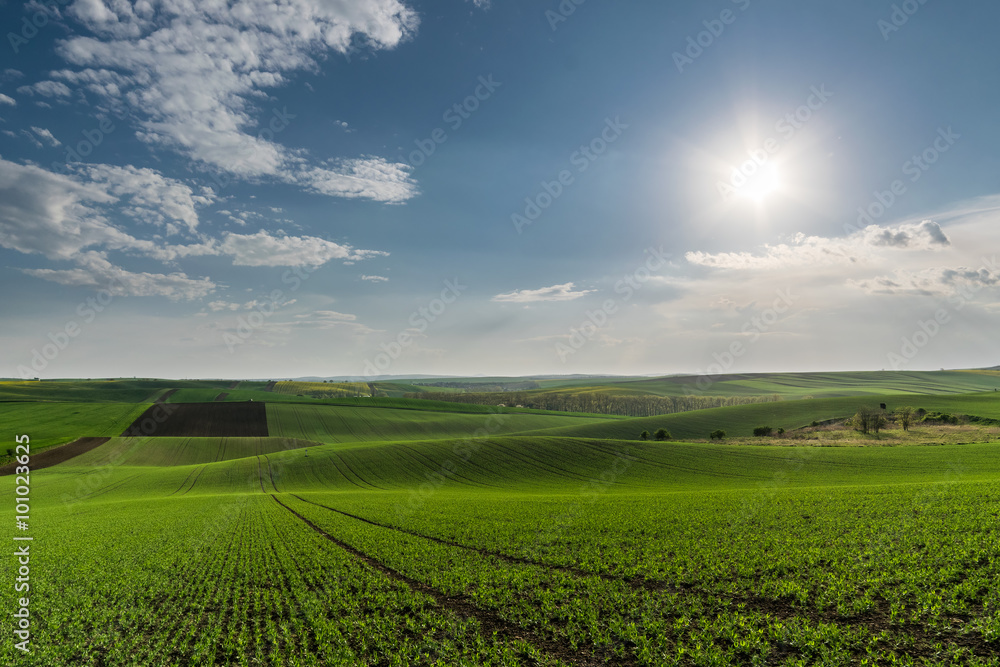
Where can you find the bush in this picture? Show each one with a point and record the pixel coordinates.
(814, 423)
(718, 434)
(762, 431)
(644, 435)
(942, 417)
(662, 434)
(781, 430)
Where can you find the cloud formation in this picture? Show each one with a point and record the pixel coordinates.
(562, 292)
(68, 217)
(192, 76)
(818, 250)
(930, 282)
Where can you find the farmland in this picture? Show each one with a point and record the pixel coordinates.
(396, 532)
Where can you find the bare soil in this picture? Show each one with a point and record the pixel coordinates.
(56, 455)
(201, 420)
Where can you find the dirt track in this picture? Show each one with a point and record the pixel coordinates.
(201, 420)
(56, 455)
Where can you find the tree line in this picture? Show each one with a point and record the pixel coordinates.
(597, 402)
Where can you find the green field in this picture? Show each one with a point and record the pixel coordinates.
(56, 423)
(792, 385)
(393, 532)
(353, 424)
(740, 420)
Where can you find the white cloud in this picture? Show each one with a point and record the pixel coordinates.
(53, 215)
(45, 134)
(263, 249)
(5, 99)
(97, 272)
(937, 281)
(555, 293)
(818, 250)
(30, 137)
(369, 177)
(191, 75)
(216, 306)
(46, 89)
(150, 196)
(375, 279)
(59, 215)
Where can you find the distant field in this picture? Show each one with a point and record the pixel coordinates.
(184, 451)
(323, 389)
(102, 391)
(797, 385)
(57, 423)
(742, 419)
(357, 424)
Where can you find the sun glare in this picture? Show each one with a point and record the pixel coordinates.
(761, 185)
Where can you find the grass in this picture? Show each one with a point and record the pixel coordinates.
(51, 424)
(792, 414)
(344, 424)
(411, 537)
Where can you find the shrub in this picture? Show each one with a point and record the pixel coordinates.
(814, 423)
(662, 434)
(644, 435)
(762, 431)
(781, 430)
(717, 434)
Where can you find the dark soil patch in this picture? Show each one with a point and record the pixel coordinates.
(165, 396)
(201, 420)
(56, 455)
(222, 396)
(270, 386)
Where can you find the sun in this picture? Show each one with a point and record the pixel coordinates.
(761, 185)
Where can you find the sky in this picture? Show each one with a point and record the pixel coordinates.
(261, 188)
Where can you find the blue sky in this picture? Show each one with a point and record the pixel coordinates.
(264, 189)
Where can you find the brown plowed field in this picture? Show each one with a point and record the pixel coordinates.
(56, 455)
(201, 420)
(166, 395)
